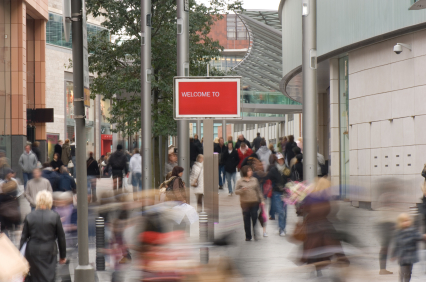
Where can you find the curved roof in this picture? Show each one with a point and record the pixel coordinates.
(261, 68)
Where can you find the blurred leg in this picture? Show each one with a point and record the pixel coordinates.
(228, 181)
(247, 223)
(254, 213)
(279, 209)
(93, 185)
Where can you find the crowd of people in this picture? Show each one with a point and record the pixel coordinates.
(269, 176)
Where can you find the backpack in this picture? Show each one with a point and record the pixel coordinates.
(294, 174)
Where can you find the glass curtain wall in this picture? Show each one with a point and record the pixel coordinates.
(5, 87)
(344, 124)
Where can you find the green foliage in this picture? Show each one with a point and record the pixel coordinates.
(117, 62)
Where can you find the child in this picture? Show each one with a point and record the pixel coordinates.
(406, 246)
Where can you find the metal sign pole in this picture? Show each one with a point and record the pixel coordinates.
(146, 93)
(209, 189)
(309, 65)
(84, 271)
(183, 70)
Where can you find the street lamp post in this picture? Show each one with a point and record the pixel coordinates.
(309, 67)
(84, 271)
(146, 92)
(183, 70)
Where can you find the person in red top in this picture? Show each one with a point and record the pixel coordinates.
(243, 152)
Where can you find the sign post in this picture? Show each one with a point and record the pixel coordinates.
(208, 99)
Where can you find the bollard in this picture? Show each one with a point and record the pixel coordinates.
(204, 235)
(100, 243)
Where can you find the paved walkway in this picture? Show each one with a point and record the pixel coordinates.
(274, 258)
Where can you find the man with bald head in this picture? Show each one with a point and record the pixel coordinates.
(241, 139)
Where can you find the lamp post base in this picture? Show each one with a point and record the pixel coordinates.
(84, 273)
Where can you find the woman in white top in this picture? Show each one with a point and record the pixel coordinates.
(197, 181)
(135, 167)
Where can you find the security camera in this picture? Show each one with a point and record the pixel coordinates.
(398, 47)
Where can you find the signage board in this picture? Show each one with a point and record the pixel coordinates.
(186, 5)
(207, 97)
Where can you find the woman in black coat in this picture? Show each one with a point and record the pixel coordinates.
(56, 163)
(230, 159)
(42, 228)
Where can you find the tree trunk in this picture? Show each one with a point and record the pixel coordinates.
(163, 155)
(157, 161)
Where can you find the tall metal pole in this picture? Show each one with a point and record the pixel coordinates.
(183, 70)
(83, 272)
(146, 92)
(224, 130)
(309, 66)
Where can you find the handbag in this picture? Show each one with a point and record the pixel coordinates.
(267, 188)
(70, 164)
(299, 233)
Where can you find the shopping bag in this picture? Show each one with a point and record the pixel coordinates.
(12, 263)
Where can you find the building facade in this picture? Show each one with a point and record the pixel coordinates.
(373, 100)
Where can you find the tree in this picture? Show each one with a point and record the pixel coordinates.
(117, 62)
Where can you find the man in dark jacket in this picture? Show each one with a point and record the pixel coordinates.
(289, 154)
(66, 182)
(51, 175)
(193, 151)
(58, 149)
(256, 142)
(198, 144)
(220, 149)
(240, 140)
(118, 162)
(231, 160)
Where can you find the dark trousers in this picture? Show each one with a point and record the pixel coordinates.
(199, 202)
(385, 233)
(250, 213)
(405, 272)
(117, 178)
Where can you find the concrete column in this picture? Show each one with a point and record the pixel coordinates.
(334, 142)
(98, 126)
(245, 130)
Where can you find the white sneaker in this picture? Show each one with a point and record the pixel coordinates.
(282, 233)
(230, 194)
(265, 234)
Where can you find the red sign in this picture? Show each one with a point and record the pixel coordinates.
(200, 98)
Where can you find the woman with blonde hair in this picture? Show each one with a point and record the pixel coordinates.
(42, 228)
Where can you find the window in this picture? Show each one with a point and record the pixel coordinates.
(235, 28)
(55, 31)
(225, 63)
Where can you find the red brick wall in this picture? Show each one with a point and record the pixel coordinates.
(218, 32)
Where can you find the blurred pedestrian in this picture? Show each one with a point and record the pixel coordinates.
(178, 189)
(53, 177)
(299, 143)
(10, 214)
(56, 163)
(72, 146)
(27, 162)
(256, 142)
(263, 153)
(406, 245)
(66, 181)
(281, 145)
(135, 168)
(321, 169)
(220, 148)
(172, 162)
(42, 229)
(289, 154)
(230, 140)
(241, 139)
(194, 151)
(247, 187)
(271, 148)
(4, 164)
(92, 176)
(197, 181)
(243, 153)
(35, 185)
(118, 163)
(58, 148)
(35, 149)
(230, 160)
(66, 153)
(296, 151)
(296, 173)
(277, 202)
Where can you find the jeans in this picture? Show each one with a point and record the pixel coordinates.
(271, 209)
(231, 176)
(250, 213)
(280, 208)
(91, 187)
(27, 176)
(221, 175)
(137, 181)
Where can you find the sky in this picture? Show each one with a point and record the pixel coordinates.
(255, 4)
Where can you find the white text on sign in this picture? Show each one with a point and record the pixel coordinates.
(200, 94)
